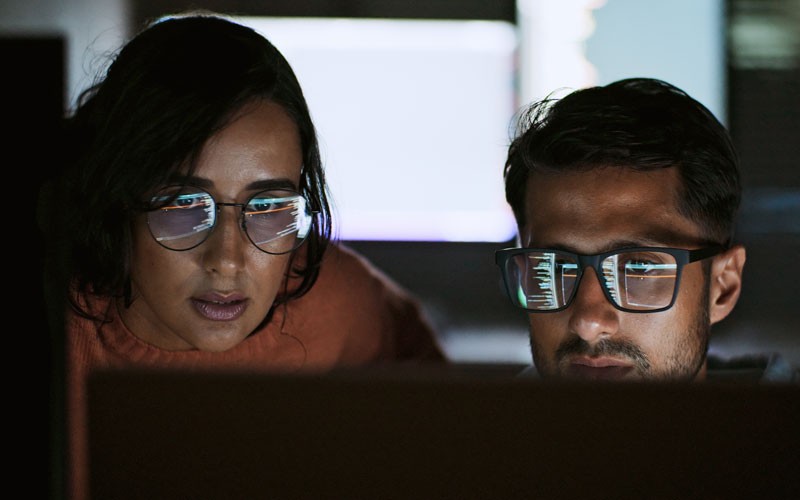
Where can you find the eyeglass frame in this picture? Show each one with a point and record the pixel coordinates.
(242, 222)
(682, 258)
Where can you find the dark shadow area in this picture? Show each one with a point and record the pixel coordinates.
(34, 98)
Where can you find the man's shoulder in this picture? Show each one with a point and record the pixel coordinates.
(761, 367)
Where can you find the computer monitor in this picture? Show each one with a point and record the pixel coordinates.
(419, 433)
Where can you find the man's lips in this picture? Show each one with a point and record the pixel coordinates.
(220, 307)
(602, 368)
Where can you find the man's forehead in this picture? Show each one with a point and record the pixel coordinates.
(605, 208)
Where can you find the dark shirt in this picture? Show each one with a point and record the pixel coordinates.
(767, 367)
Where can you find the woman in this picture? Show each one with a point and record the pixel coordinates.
(194, 225)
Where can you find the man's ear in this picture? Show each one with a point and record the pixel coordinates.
(726, 282)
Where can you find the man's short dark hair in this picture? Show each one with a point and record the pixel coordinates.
(638, 123)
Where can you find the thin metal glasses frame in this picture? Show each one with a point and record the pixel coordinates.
(242, 220)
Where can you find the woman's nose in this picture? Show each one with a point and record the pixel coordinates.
(226, 245)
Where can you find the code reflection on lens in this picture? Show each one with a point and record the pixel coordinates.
(543, 294)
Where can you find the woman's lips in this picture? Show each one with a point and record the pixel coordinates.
(219, 307)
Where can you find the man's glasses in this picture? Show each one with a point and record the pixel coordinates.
(641, 279)
(277, 221)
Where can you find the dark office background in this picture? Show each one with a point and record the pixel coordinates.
(764, 115)
(458, 282)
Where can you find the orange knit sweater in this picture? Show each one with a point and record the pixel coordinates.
(354, 315)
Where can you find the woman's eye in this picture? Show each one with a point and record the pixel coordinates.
(189, 201)
(262, 206)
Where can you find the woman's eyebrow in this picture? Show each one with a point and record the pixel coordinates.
(279, 183)
(263, 184)
(192, 180)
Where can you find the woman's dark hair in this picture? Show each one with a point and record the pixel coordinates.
(172, 87)
(637, 123)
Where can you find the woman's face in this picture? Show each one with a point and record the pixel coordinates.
(213, 296)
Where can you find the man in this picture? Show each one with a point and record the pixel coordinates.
(625, 198)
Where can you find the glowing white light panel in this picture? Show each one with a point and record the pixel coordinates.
(413, 118)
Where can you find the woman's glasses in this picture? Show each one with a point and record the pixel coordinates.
(276, 221)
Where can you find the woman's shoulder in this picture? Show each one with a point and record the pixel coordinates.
(353, 273)
(351, 289)
(354, 297)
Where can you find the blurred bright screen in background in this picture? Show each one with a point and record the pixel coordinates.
(570, 44)
(414, 116)
(413, 121)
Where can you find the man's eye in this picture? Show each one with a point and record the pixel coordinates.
(566, 267)
(644, 268)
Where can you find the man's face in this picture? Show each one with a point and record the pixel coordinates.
(605, 209)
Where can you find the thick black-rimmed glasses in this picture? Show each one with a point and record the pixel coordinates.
(276, 221)
(641, 279)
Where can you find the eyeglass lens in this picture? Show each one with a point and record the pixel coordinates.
(275, 221)
(636, 280)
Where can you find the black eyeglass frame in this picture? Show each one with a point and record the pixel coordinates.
(682, 258)
(242, 221)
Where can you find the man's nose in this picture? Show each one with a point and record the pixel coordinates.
(592, 316)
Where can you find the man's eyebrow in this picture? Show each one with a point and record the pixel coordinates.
(636, 242)
(653, 239)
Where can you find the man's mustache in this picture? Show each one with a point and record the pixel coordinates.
(606, 347)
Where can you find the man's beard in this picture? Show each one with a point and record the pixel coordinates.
(683, 364)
